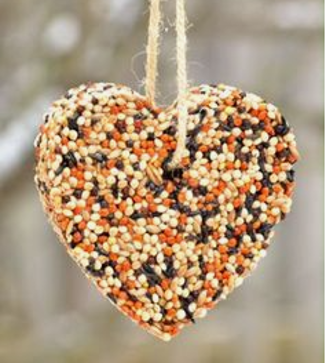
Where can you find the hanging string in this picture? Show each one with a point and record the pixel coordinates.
(152, 49)
(151, 69)
(182, 81)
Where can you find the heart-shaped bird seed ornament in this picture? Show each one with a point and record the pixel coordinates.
(164, 245)
(166, 211)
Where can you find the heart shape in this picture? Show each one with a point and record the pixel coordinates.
(164, 245)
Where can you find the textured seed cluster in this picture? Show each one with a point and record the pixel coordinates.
(164, 245)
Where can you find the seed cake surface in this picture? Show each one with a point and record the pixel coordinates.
(164, 245)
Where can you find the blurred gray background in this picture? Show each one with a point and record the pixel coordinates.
(48, 311)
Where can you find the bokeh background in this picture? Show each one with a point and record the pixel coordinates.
(48, 311)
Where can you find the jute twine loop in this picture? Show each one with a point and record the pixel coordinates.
(151, 69)
(152, 49)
